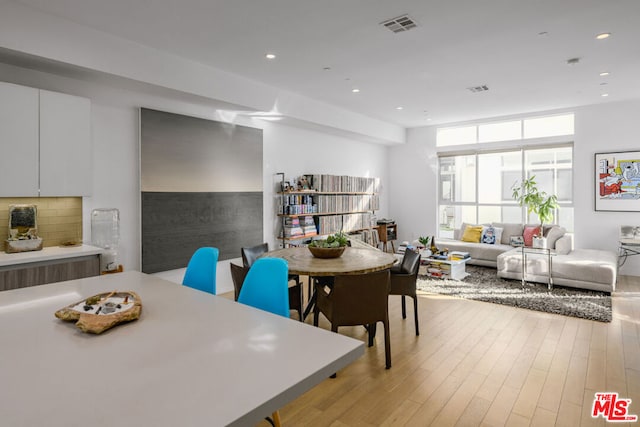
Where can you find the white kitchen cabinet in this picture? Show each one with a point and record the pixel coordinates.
(18, 141)
(65, 145)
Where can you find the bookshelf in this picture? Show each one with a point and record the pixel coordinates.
(319, 205)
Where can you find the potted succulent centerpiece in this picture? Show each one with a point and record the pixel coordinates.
(331, 247)
(538, 202)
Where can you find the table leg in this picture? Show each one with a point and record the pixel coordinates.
(550, 283)
(310, 305)
(524, 267)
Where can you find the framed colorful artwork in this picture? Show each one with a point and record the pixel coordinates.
(617, 181)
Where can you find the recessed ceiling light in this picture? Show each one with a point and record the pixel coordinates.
(603, 36)
(603, 83)
(604, 73)
(398, 108)
(573, 61)
(604, 95)
(429, 119)
(270, 56)
(327, 68)
(356, 90)
(543, 34)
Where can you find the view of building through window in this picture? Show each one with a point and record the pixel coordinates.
(477, 188)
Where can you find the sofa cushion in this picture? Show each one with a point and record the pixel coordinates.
(472, 233)
(564, 245)
(508, 230)
(457, 233)
(553, 235)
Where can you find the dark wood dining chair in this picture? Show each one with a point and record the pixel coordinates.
(403, 282)
(359, 299)
(252, 253)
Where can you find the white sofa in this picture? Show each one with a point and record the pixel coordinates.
(582, 268)
(485, 254)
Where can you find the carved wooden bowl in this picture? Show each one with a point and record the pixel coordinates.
(326, 252)
(108, 310)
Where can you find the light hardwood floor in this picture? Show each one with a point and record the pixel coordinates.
(482, 364)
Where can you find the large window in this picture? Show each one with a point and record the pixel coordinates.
(476, 188)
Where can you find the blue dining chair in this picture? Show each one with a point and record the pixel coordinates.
(266, 286)
(201, 270)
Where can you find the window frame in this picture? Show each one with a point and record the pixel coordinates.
(522, 149)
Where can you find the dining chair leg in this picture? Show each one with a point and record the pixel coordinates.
(404, 307)
(276, 419)
(316, 316)
(371, 328)
(415, 314)
(298, 296)
(387, 344)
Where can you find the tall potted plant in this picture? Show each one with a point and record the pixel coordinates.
(538, 202)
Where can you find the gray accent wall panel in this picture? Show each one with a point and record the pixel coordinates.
(201, 185)
(174, 225)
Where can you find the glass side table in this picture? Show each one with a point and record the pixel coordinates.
(549, 253)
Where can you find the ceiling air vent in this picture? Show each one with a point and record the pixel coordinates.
(482, 88)
(400, 24)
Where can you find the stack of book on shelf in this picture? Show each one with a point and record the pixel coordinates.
(347, 203)
(458, 255)
(342, 183)
(438, 269)
(308, 226)
(370, 237)
(346, 223)
(298, 204)
(292, 228)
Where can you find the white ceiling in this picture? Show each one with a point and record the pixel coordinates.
(427, 70)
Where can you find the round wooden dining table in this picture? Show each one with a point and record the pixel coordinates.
(352, 261)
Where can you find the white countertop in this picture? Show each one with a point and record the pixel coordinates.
(192, 359)
(48, 254)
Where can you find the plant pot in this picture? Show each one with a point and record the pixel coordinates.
(326, 252)
(539, 243)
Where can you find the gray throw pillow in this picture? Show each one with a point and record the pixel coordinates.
(458, 232)
(508, 230)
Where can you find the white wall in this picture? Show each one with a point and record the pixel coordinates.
(296, 151)
(115, 139)
(598, 128)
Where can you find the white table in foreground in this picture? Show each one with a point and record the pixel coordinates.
(192, 359)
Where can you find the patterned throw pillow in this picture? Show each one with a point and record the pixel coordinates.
(491, 235)
(528, 234)
(472, 234)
